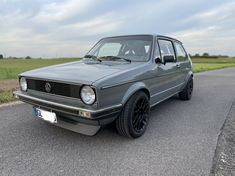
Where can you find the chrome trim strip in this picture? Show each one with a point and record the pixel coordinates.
(167, 90)
(17, 93)
(164, 99)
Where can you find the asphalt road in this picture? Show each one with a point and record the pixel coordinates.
(180, 140)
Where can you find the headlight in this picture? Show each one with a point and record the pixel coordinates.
(87, 95)
(23, 84)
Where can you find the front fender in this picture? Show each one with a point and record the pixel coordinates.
(133, 89)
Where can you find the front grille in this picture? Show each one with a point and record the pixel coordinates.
(57, 88)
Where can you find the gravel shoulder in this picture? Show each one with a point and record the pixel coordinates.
(224, 159)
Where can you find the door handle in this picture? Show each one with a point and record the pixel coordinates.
(178, 65)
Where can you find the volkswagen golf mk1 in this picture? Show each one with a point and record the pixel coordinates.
(117, 81)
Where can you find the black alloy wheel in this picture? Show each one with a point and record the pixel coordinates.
(187, 92)
(134, 118)
(141, 115)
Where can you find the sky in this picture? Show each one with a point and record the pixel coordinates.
(69, 28)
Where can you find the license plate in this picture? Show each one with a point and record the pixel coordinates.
(45, 115)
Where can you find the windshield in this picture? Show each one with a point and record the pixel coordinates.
(133, 48)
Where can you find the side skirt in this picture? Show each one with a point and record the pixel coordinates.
(164, 99)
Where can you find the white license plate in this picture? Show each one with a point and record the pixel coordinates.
(45, 115)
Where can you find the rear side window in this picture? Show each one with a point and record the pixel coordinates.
(166, 47)
(180, 52)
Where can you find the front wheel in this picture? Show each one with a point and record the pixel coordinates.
(134, 118)
(187, 92)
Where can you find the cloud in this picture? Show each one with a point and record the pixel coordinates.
(214, 31)
(50, 28)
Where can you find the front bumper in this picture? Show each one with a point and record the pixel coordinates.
(99, 117)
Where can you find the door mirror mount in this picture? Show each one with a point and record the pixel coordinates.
(158, 60)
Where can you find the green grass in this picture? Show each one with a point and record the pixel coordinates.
(10, 68)
(205, 64)
(6, 97)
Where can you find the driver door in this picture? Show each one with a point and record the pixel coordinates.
(167, 80)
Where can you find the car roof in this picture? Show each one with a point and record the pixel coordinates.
(145, 35)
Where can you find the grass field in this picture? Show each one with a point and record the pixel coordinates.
(9, 69)
(205, 64)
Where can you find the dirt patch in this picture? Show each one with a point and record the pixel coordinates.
(8, 85)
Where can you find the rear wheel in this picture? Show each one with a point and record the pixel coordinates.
(134, 118)
(187, 92)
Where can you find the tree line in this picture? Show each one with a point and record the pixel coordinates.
(10, 57)
(207, 55)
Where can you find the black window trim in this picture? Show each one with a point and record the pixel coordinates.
(172, 42)
(158, 46)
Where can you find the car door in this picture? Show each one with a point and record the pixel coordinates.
(182, 61)
(166, 81)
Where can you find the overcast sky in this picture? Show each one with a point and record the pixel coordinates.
(59, 28)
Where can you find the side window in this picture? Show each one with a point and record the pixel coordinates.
(166, 47)
(110, 49)
(180, 52)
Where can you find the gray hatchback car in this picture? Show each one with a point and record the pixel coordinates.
(118, 81)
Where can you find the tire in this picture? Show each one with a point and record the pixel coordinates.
(134, 117)
(187, 92)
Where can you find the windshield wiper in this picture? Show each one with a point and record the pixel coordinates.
(115, 57)
(92, 57)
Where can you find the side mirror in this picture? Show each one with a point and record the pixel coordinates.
(168, 58)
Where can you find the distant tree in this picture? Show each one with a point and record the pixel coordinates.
(205, 54)
(1, 56)
(197, 55)
(225, 56)
(28, 57)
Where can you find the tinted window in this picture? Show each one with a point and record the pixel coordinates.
(181, 54)
(166, 47)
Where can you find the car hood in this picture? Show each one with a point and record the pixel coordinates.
(80, 71)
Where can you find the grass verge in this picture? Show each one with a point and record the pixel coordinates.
(6, 97)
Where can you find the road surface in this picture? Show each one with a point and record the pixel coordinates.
(180, 140)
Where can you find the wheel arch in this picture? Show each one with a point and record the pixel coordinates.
(189, 75)
(139, 86)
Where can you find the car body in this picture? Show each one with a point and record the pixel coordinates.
(112, 72)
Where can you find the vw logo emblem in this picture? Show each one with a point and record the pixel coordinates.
(48, 87)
